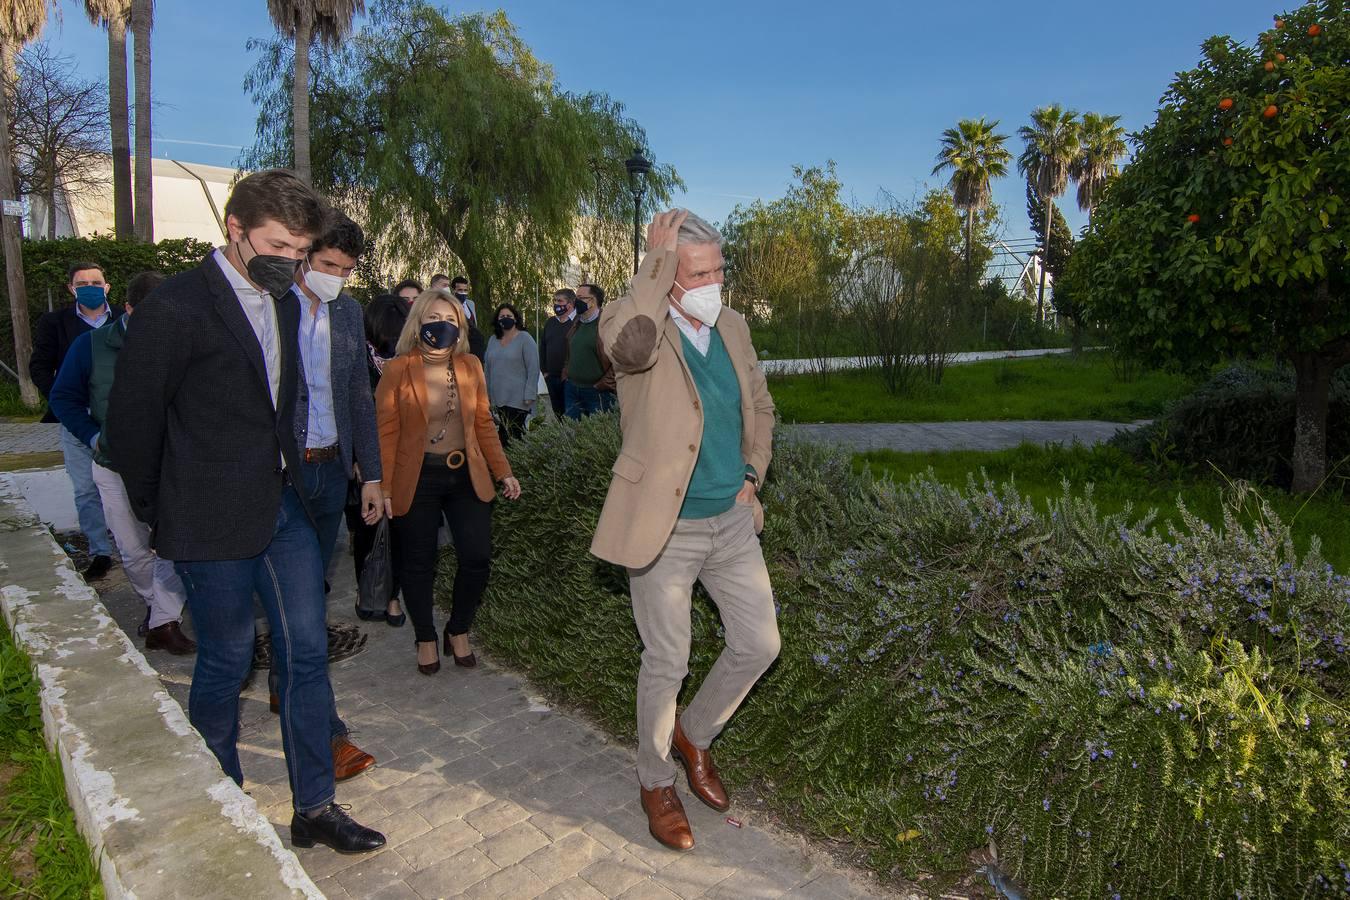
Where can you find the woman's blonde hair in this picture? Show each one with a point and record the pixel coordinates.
(409, 339)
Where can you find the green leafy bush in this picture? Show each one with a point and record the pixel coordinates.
(45, 264)
(1241, 422)
(1121, 711)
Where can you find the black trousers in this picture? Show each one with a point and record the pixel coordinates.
(513, 423)
(446, 493)
(555, 394)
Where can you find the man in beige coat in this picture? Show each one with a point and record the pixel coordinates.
(682, 507)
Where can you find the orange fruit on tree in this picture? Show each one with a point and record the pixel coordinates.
(1279, 23)
(1271, 111)
(1279, 57)
(1270, 66)
(1228, 142)
(1314, 29)
(1226, 103)
(1193, 218)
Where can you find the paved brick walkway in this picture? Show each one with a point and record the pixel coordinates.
(927, 436)
(29, 437)
(483, 790)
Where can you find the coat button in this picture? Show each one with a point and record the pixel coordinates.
(693, 449)
(695, 404)
(679, 492)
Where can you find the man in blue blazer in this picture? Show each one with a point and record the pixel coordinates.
(334, 416)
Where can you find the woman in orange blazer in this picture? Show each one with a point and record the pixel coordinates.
(441, 453)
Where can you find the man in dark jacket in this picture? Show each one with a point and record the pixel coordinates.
(201, 425)
(52, 338)
(553, 347)
(79, 398)
(588, 377)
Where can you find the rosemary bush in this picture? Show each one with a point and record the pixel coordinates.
(1118, 711)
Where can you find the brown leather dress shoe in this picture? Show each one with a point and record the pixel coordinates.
(170, 637)
(666, 819)
(349, 759)
(698, 765)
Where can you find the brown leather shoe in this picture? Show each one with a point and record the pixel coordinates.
(666, 819)
(170, 637)
(348, 759)
(698, 765)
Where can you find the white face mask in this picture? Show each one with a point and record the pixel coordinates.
(703, 303)
(326, 287)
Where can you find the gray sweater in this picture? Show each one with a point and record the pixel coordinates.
(512, 371)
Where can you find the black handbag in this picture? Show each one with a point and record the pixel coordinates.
(376, 584)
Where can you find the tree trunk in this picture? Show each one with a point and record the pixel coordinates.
(1045, 262)
(51, 197)
(142, 21)
(1313, 373)
(1077, 346)
(300, 102)
(124, 228)
(9, 230)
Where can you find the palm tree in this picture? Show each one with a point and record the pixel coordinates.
(1103, 142)
(142, 21)
(113, 15)
(302, 21)
(20, 22)
(975, 154)
(1052, 141)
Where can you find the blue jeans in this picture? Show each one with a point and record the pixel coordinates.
(583, 401)
(88, 504)
(288, 577)
(325, 487)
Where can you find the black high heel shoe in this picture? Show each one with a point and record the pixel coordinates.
(467, 662)
(428, 668)
(395, 621)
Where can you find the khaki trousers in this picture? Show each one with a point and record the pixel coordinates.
(724, 553)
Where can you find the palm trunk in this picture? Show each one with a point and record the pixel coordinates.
(142, 21)
(9, 231)
(124, 228)
(1045, 262)
(300, 101)
(970, 230)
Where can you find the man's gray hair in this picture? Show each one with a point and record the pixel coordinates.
(697, 230)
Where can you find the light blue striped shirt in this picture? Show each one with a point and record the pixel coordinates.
(316, 352)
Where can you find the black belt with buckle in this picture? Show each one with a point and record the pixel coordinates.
(321, 454)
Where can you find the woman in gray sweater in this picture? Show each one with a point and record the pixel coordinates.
(512, 367)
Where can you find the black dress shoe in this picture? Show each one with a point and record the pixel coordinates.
(332, 826)
(98, 567)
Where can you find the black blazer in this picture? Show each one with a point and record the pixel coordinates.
(197, 440)
(55, 332)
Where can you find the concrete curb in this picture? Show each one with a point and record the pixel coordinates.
(161, 817)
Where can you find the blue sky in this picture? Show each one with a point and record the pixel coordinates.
(734, 93)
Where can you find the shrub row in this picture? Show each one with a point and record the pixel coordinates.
(1119, 711)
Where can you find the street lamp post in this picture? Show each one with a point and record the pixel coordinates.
(638, 166)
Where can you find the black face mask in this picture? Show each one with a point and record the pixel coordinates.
(461, 296)
(581, 306)
(439, 335)
(506, 324)
(274, 274)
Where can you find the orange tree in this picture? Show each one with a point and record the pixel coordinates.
(1228, 233)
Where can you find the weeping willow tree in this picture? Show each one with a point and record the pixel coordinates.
(447, 136)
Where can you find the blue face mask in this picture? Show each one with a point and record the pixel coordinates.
(91, 296)
(439, 335)
(559, 310)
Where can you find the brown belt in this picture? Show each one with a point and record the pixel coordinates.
(455, 459)
(321, 454)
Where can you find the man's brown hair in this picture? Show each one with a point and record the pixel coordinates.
(277, 194)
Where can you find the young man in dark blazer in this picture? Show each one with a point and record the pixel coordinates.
(201, 424)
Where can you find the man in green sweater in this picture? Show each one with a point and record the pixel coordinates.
(588, 378)
(683, 506)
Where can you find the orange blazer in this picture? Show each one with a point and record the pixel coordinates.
(401, 409)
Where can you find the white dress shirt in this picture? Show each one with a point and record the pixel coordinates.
(260, 309)
(700, 337)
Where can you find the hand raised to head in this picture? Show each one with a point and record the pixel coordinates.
(665, 229)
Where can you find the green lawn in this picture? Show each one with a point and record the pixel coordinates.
(11, 406)
(1051, 387)
(1119, 481)
(41, 853)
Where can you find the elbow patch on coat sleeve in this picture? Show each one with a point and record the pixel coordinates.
(635, 341)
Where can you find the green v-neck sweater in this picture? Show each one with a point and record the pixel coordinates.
(719, 473)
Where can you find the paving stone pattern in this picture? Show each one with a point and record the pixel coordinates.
(483, 790)
(29, 437)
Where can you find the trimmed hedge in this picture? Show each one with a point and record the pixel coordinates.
(45, 264)
(1121, 712)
